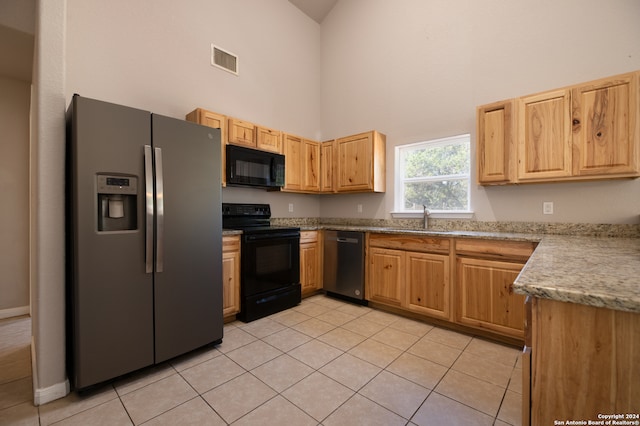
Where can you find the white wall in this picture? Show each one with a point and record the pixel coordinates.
(47, 237)
(14, 187)
(155, 55)
(415, 70)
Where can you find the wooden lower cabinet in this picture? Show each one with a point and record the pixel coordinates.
(485, 296)
(310, 262)
(427, 282)
(230, 275)
(585, 361)
(385, 282)
(411, 280)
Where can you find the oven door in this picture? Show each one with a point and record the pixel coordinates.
(270, 261)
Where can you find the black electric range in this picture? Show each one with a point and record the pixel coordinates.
(269, 260)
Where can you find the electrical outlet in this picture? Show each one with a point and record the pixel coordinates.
(547, 207)
(290, 207)
(359, 208)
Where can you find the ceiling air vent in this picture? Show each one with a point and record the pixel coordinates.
(222, 59)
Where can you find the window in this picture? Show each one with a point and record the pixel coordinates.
(435, 174)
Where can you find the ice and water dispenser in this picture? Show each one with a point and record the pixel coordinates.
(117, 200)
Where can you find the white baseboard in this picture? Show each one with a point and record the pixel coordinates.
(43, 395)
(57, 391)
(14, 312)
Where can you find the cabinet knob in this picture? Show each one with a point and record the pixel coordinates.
(576, 121)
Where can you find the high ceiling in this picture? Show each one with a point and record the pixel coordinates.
(17, 27)
(315, 9)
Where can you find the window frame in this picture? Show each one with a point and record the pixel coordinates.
(400, 180)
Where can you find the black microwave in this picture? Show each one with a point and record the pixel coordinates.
(251, 167)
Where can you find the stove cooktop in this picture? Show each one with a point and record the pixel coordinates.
(250, 218)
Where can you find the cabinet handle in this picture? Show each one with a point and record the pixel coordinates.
(576, 121)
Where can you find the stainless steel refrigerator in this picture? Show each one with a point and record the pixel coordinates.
(144, 229)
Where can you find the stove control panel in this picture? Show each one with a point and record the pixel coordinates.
(259, 211)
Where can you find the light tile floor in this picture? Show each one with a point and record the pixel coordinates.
(323, 362)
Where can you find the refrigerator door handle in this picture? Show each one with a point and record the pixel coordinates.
(159, 210)
(148, 180)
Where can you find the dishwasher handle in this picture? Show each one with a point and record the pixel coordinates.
(347, 240)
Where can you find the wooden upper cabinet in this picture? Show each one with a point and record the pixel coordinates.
(293, 166)
(360, 162)
(217, 121)
(327, 181)
(269, 139)
(606, 126)
(544, 135)
(242, 133)
(310, 165)
(585, 131)
(495, 135)
(211, 119)
(302, 164)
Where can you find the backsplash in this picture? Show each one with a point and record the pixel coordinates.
(578, 229)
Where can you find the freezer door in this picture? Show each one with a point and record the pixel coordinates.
(188, 277)
(109, 294)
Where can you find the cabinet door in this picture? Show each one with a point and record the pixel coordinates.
(605, 127)
(242, 133)
(269, 139)
(385, 276)
(309, 267)
(485, 296)
(544, 136)
(311, 166)
(293, 168)
(217, 121)
(230, 275)
(495, 142)
(354, 168)
(427, 284)
(327, 181)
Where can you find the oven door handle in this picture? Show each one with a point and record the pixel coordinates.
(271, 236)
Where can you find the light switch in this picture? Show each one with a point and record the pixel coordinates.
(547, 207)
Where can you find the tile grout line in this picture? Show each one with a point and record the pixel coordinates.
(403, 351)
(285, 327)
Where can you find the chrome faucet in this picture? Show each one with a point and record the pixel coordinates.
(425, 216)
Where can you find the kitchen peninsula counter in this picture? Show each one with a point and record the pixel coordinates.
(587, 270)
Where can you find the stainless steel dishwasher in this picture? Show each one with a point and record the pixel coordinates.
(344, 264)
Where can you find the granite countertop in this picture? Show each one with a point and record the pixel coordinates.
(588, 270)
(595, 271)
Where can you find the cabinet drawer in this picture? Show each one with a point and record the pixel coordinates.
(514, 250)
(410, 243)
(308, 237)
(230, 243)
